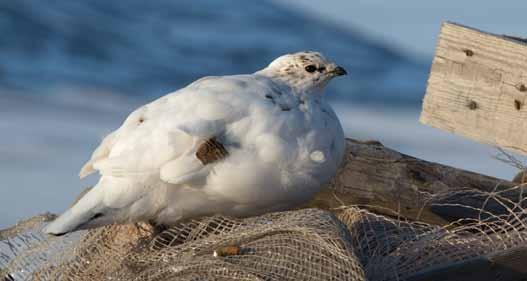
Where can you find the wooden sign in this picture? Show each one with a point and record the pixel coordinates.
(478, 87)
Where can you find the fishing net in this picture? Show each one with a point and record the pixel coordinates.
(347, 243)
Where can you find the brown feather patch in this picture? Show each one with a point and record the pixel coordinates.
(211, 151)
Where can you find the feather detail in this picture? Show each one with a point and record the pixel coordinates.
(100, 152)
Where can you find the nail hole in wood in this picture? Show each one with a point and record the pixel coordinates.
(468, 52)
(472, 105)
(517, 104)
(521, 87)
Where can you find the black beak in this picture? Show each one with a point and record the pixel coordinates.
(339, 71)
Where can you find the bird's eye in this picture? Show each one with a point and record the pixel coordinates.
(311, 68)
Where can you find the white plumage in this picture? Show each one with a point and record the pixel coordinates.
(283, 142)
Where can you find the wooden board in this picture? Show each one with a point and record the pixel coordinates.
(478, 87)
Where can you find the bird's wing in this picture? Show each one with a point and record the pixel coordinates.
(165, 136)
(195, 165)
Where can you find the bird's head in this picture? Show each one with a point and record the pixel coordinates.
(305, 72)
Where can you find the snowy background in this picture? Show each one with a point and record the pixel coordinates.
(71, 71)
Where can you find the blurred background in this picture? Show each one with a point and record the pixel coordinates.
(71, 71)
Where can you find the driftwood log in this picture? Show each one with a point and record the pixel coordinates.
(384, 180)
(505, 265)
(393, 184)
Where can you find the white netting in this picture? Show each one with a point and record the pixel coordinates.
(347, 243)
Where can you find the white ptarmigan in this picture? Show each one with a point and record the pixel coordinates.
(238, 145)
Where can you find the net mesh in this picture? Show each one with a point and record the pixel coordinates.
(347, 243)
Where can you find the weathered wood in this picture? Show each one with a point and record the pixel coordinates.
(394, 184)
(24, 225)
(508, 265)
(384, 180)
(478, 87)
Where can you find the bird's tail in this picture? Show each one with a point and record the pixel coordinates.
(87, 212)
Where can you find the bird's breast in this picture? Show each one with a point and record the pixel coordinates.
(294, 141)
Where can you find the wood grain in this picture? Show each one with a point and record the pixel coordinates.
(478, 87)
(394, 184)
(503, 265)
